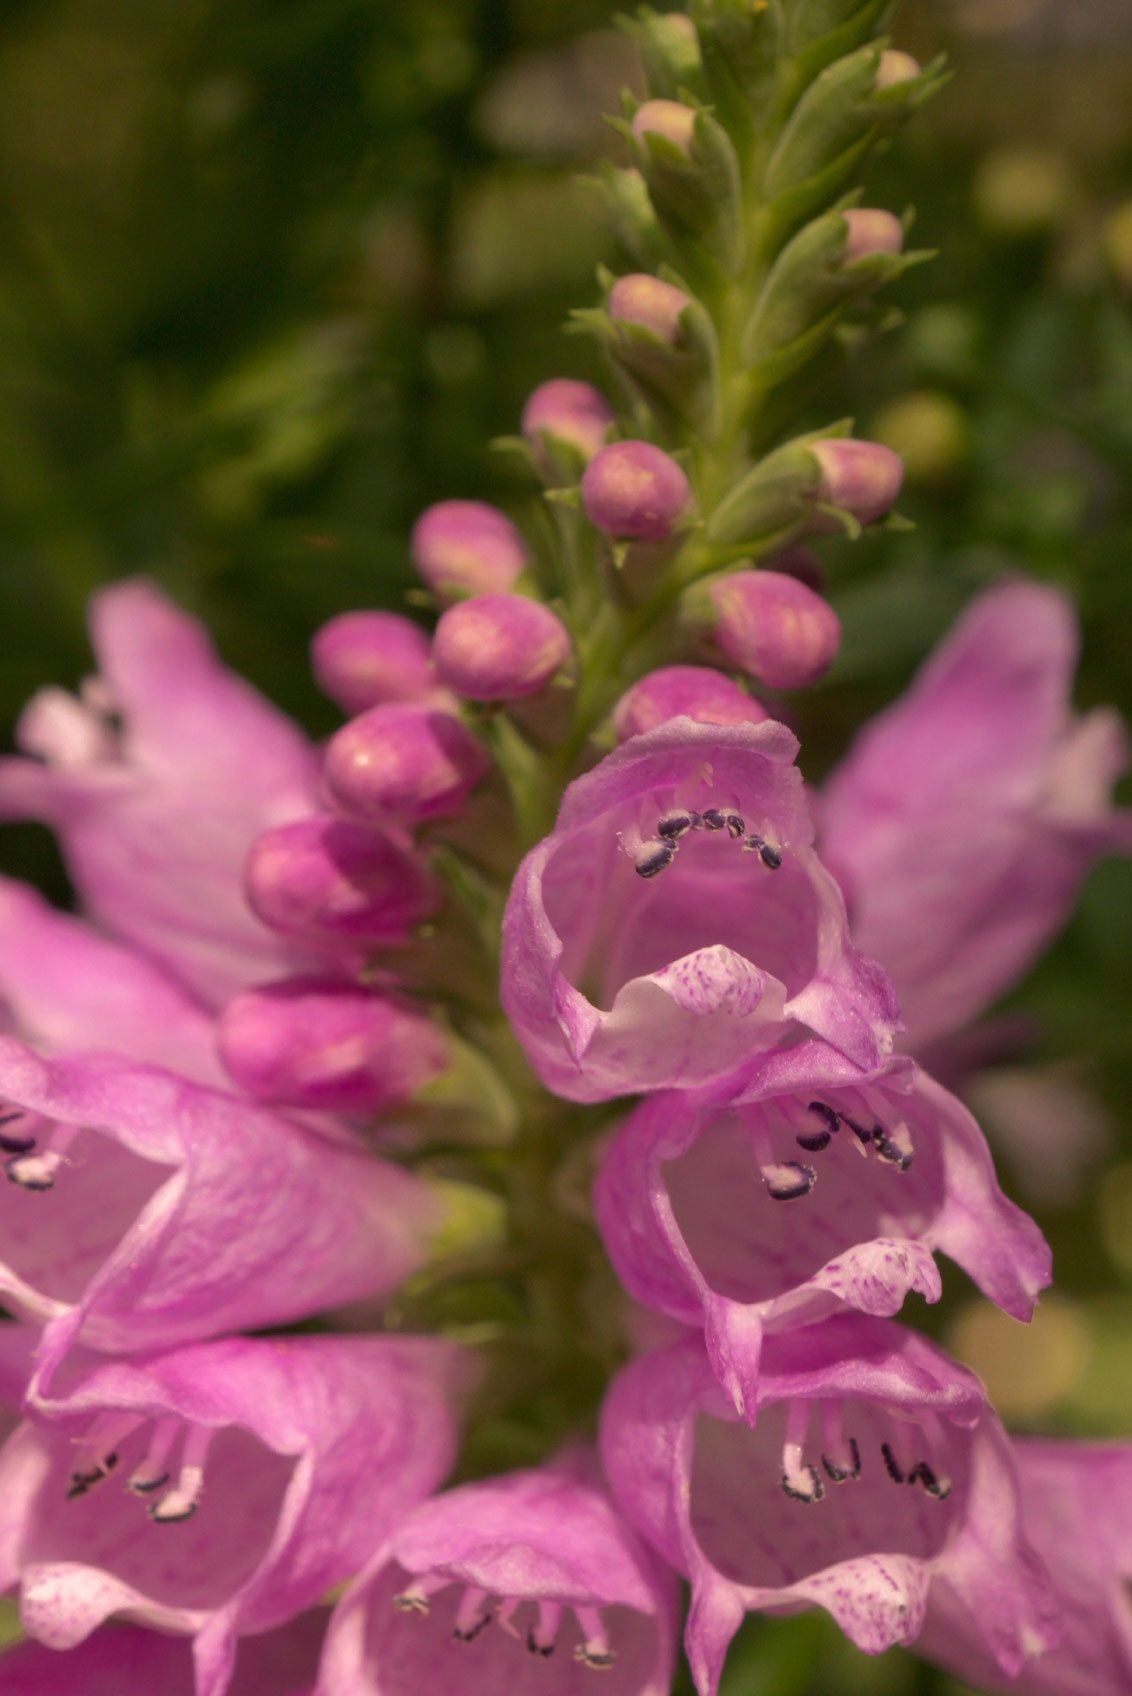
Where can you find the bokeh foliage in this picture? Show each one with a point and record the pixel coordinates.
(274, 272)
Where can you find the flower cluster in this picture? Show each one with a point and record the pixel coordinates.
(295, 1197)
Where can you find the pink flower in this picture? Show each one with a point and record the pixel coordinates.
(217, 1490)
(526, 1583)
(1077, 1513)
(677, 921)
(964, 818)
(816, 1187)
(123, 1660)
(156, 782)
(167, 1211)
(876, 1470)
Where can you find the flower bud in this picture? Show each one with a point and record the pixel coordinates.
(683, 691)
(324, 1044)
(565, 412)
(895, 67)
(774, 628)
(467, 548)
(871, 230)
(669, 119)
(650, 302)
(499, 647)
(410, 763)
(863, 478)
(362, 659)
(329, 879)
(635, 492)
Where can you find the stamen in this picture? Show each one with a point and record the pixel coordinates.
(471, 1616)
(182, 1501)
(734, 825)
(929, 1473)
(923, 1473)
(17, 1142)
(100, 1451)
(713, 818)
(415, 1599)
(151, 1472)
(654, 857)
(594, 1650)
(542, 1637)
(891, 1464)
(894, 1147)
(788, 1180)
(814, 1141)
(800, 1481)
(37, 1172)
(677, 824)
(840, 1456)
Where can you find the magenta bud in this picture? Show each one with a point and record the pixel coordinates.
(774, 628)
(683, 691)
(467, 548)
(499, 647)
(667, 118)
(575, 414)
(871, 230)
(403, 762)
(650, 302)
(863, 478)
(329, 879)
(363, 659)
(635, 492)
(896, 67)
(310, 1042)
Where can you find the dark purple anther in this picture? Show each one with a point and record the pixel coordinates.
(713, 819)
(675, 825)
(655, 857)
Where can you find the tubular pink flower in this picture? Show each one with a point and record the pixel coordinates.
(147, 1211)
(324, 1044)
(635, 492)
(774, 628)
(364, 659)
(257, 1445)
(817, 1187)
(499, 647)
(649, 302)
(1076, 1511)
(564, 411)
(403, 763)
(467, 548)
(63, 986)
(156, 783)
(876, 1471)
(527, 1583)
(124, 1660)
(680, 887)
(684, 691)
(963, 819)
(328, 880)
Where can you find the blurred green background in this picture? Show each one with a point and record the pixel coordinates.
(274, 272)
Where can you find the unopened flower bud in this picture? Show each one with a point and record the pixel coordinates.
(467, 548)
(329, 879)
(564, 411)
(896, 67)
(863, 478)
(774, 628)
(323, 1044)
(669, 119)
(871, 230)
(650, 302)
(362, 659)
(635, 492)
(683, 691)
(409, 763)
(499, 647)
